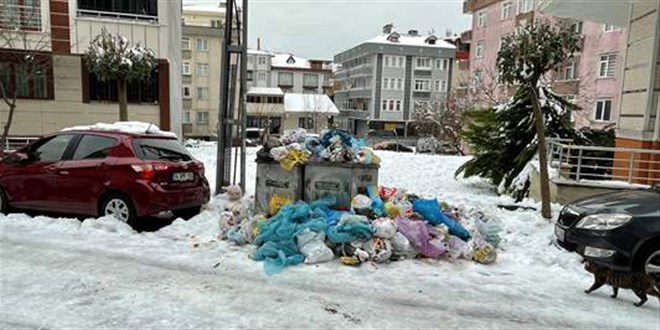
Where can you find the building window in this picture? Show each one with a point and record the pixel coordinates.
(139, 8)
(507, 10)
(400, 62)
(480, 49)
(261, 76)
(285, 79)
(609, 28)
(262, 60)
(136, 92)
(436, 85)
(525, 6)
(442, 64)
(478, 77)
(577, 27)
(390, 105)
(202, 117)
(443, 86)
(423, 63)
(569, 71)
(186, 92)
(310, 80)
(386, 83)
(249, 75)
(306, 123)
(399, 84)
(22, 15)
(186, 117)
(606, 66)
(185, 43)
(202, 69)
(481, 19)
(393, 61)
(216, 23)
(36, 83)
(603, 110)
(202, 93)
(202, 45)
(185, 68)
(422, 85)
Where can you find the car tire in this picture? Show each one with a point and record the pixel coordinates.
(4, 203)
(120, 206)
(652, 263)
(187, 213)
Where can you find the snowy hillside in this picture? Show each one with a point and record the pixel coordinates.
(61, 273)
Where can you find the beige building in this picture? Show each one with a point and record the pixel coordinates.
(62, 92)
(201, 45)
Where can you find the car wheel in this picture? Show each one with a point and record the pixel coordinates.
(4, 203)
(652, 264)
(187, 214)
(120, 207)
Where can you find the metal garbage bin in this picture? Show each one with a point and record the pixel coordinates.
(273, 180)
(342, 180)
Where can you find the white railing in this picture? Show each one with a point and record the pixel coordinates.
(595, 163)
(117, 15)
(14, 143)
(20, 17)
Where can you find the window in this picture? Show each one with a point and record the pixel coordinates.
(262, 60)
(216, 23)
(423, 63)
(609, 28)
(442, 64)
(186, 117)
(393, 61)
(397, 106)
(53, 149)
(306, 123)
(249, 75)
(186, 92)
(202, 69)
(185, 68)
(310, 80)
(443, 85)
(185, 43)
(387, 60)
(399, 84)
(436, 85)
(606, 66)
(480, 49)
(569, 71)
(146, 91)
(481, 19)
(525, 6)
(202, 117)
(422, 85)
(202, 93)
(400, 62)
(202, 45)
(390, 105)
(261, 76)
(507, 10)
(577, 27)
(22, 15)
(603, 110)
(94, 147)
(34, 83)
(135, 7)
(285, 79)
(386, 83)
(478, 76)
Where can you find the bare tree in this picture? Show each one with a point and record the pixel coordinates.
(441, 120)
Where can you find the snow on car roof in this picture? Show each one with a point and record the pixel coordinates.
(317, 103)
(131, 127)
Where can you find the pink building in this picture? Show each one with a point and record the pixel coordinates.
(591, 79)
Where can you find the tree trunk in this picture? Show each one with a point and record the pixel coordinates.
(123, 100)
(5, 131)
(543, 155)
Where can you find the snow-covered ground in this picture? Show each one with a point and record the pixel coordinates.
(61, 273)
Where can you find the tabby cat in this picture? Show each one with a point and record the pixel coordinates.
(641, 284)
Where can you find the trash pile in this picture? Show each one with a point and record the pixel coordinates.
(386, 224)
(296, 147)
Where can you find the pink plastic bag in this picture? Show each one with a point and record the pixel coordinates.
(419, 237)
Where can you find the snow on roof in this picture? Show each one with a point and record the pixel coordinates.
(411, 40)
(259, 52)
(132, 127)
(204, 9)
(290, 61)
(310, 103)
(265, 91)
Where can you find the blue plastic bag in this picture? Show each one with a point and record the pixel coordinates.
(377, 203)
(429, 209)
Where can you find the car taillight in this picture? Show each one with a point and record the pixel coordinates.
(146, 172)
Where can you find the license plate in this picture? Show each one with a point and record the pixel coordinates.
(560, 233)
(183, 176)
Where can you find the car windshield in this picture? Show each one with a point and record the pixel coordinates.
(160, 149)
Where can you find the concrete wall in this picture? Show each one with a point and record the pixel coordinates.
(39, 117)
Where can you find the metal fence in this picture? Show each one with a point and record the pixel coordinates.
(14, 143)
(595, 163)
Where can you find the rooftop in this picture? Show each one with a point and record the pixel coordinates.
(406, 39)
(272, 91)
(309, 103)
(296, 62)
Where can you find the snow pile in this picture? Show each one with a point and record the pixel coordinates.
(309, 103)
(133, 127)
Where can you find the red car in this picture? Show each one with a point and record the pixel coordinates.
(97, 173)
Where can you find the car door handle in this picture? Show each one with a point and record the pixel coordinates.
(63, 172)
(50, 169)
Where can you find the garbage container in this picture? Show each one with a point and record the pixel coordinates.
(273, 180)
(342, 180)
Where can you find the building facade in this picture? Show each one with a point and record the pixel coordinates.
(591, 79)
(382, 80)
(62, 93)
(201, 46)
(293, 74)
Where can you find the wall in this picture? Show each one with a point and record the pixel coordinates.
(39, 117)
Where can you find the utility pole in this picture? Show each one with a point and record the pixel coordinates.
(231, 115)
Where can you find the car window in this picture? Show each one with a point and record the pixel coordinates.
(160, 149)
(53, 149)
(94, 147)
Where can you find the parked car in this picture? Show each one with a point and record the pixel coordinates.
(253, 136)
(97, 173)
(619, 230)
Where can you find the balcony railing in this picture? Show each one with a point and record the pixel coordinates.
(595, 164)
(117, 15)
(14, 143)
(20, 17)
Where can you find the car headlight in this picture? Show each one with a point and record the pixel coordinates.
(603, 221)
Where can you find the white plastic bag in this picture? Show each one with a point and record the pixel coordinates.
(402, 248)
(313, 247)
(279, 153)
(361, 202)
(384, 228)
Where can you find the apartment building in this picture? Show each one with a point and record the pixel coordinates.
(591, 79)
(201, 46)
(62, 92)
(383, 79)
(293, 74)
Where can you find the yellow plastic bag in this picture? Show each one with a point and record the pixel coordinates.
(293, 158)
(391, 210)
(276, 203)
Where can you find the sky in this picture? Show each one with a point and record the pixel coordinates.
(322, 28)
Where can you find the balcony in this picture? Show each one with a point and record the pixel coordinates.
(135, 10)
